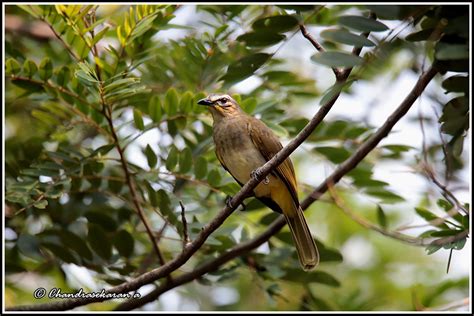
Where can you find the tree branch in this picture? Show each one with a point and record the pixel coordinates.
(278, 224)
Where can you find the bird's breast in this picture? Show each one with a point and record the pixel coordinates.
(236, 149)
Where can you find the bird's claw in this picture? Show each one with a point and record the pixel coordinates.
(228, 202)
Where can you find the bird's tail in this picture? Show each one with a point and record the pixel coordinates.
(305, 245)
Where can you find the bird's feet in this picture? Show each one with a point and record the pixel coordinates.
(256, 174)
(228, 202)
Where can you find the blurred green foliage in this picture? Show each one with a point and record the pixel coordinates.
(67, 198)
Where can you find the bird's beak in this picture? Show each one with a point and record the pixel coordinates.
(205, 102)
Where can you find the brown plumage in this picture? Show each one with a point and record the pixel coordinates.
(243, 144)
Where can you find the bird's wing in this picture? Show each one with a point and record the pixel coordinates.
(268, 144)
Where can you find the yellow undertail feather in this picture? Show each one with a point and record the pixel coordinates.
(305, 246)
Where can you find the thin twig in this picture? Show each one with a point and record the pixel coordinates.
(337, 72)
(364, 223)
(185, 225)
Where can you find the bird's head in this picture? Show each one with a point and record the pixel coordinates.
(221, 105)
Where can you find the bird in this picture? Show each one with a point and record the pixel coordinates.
(243, 144)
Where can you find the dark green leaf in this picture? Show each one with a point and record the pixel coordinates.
(337, 59)
(45, 69)
(101, 219)
(214, 178)
(150, 157)
(276, 24)
(29, 246)
(386, 12)
(138, 119)
(260, 39)
(296, 275)
(60, 252)
(185, 160)
(345, 37)
(124, 243)
(445, 51)
(155, 109)
(29, 68)
(245, 67)
(381, 217)
(171, 102)
(12, 67)
(424, 35)
(99, 241)
(335, 154)
(200, 167)
(456, 84)
(361, 23)
(172, 159)
(385, 195)
(76, 243)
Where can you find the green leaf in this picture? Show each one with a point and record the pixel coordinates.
(428, 216)
(12, 67)
(385, 195)
(381, 217)
(76, 243)
(337, 59)
(41, 204)
(171, 102)
(150, 157)
(29, 68)
(214, 178)
(60, 252)
(361, 23)
(99, 35)
(333, 91)
(244, 67)
(138, 119)
(124, 243)
(300, 277)
(261, 39)
(185, 160)
(445, 51)
(345, 37)
(186, 103)
(29, 246)
(275, 24)
(99, 241)
(456, 84)
(335, 154)
(45, 69)
(29, 86)
(154, 109)
(423, 35)
(172, 159)
(101, 219)
(431, 249)
(63, 76)
(386, 12)
(200, 167)
(249, 105)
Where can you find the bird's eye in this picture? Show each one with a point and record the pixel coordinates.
(224, 100)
